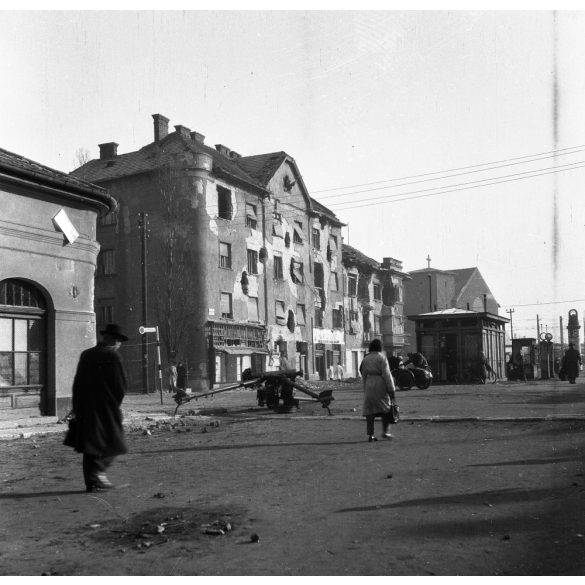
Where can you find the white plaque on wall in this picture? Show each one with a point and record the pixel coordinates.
(64, 224)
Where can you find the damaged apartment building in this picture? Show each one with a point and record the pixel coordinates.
(374, 305)
(227, 255)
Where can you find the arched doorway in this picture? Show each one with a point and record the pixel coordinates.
(23, 347)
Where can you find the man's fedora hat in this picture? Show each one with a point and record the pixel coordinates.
(114, 331)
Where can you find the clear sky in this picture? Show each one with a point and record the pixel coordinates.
(383, 112)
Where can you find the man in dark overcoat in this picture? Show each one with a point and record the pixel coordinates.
(99, 387)
(571, 362)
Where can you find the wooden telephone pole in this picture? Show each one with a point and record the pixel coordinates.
(143, 225)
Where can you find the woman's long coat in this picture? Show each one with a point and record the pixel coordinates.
(378, 384)
(99, 387)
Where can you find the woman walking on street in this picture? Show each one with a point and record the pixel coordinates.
(379, 390)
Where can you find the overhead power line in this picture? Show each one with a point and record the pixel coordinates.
(552, 153)
(441, 178)
(547, 303)
(408, 195)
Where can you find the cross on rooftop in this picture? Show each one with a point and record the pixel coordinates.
(428, 260)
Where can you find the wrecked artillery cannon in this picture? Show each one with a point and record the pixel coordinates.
(274, 390)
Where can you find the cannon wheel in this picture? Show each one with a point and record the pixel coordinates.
(405, 380)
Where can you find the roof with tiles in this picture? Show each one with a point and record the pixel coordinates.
(320, 208)
(17, 162)
(157, 154)
(262, 166)
(354, 256)
(24, 168)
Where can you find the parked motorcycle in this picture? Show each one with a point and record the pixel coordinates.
(407, 377)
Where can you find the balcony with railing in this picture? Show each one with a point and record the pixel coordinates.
(236, 335)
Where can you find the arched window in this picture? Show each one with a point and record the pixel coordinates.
(22, 337)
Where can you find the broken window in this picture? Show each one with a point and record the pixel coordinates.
(298, 234)
(316, 239)
(251, 219)
(334, 281)
(277, 230)
(225, 255)
(319, 277)
(296, 271)
(377, 291)
(337, 317)
(290, 322)
(352, 285)
(278, 273)
(318, 317)
(224, 203)
(252, 262)
(301, 318)
(280, 314)
(377, 324)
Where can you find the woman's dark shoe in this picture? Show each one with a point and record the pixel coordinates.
(371, 439)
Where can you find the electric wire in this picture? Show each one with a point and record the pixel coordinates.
(408, 196)
(552, 153)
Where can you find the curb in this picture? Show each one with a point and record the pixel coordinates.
(138, 422)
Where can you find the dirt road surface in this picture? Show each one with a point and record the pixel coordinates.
(246, 491)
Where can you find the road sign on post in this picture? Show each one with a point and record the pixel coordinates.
(142, 330)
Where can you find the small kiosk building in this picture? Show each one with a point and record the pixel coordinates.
(452, 341)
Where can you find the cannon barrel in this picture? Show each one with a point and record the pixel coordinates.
(286, 378)
(184, 398)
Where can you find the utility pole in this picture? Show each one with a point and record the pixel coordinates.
(561, 328)
(510, 312)
(143, 224)
(538, 340)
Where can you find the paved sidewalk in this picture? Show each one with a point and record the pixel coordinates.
(505, 401)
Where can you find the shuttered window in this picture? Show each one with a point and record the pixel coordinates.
(251, 219)
(280, 314)
(226, 305)
(253, 309)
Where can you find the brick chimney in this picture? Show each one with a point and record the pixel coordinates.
(224, 150)
(108, 150)
(161, 127)
(183, 131)
(197, 137)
